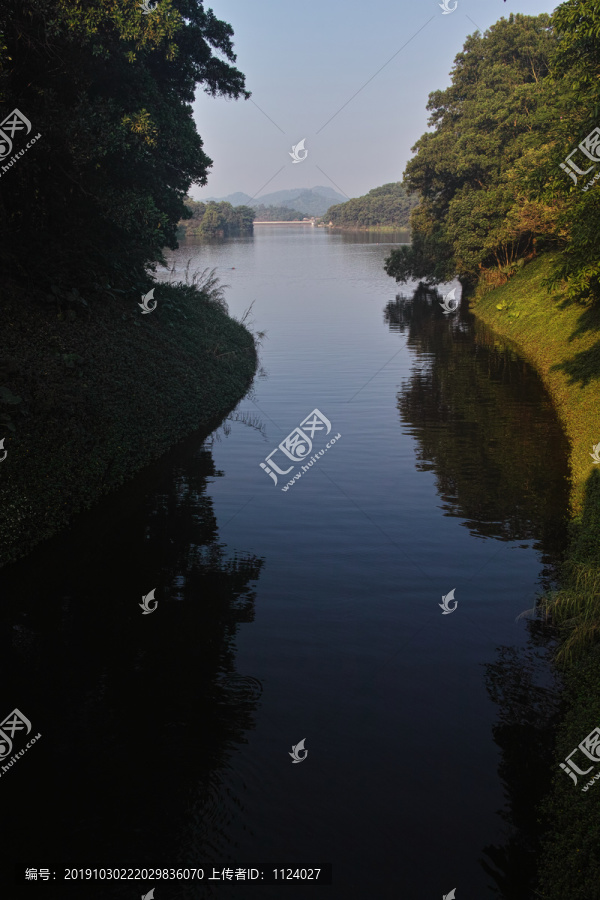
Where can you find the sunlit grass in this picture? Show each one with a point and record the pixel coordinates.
(563, 343)
(575, 609)
(206, 282)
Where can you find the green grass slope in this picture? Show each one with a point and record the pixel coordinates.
(563, 343)
(91, 394)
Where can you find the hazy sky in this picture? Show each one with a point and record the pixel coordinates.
(304, 60)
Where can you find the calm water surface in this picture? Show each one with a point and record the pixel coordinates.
(311, 614)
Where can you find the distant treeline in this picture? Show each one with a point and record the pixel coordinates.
(217, 219)
(389, 204)
(277, 214)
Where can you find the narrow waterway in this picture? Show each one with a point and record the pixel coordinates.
(308, 614)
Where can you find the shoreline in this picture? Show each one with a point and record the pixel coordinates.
(556, 340)
(97, 393)
(561, 342)
(383, 229)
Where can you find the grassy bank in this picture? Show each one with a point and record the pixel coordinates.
(375, 229)
(92, 392)
(563, 343)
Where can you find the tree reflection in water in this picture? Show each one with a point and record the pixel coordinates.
(488, 431)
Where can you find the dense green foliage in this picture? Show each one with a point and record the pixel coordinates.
(493, 193)
(488, 127)
(389, 204)
(218, 219)
(91, 388)
(277, 214)
(575, 85)
(491, 175)
(109, 89)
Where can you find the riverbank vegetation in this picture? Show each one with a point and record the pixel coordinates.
(562, 345)
(217, 219)
(502, 210)
(277, 214)
(389, 205)
(97, 394)
(92, 387)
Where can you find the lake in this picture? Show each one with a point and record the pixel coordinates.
(310, 614)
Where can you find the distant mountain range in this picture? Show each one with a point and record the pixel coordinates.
(310, 201)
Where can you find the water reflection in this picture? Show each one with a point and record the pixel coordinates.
(519, 682)
(400, 236)
(483, 424)
(488, 431)
(139, 713)
(148, 712)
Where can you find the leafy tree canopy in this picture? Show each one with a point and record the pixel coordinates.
(109, 89)
(468, 170)
(389, 204)
(574, 85)
(218, 219)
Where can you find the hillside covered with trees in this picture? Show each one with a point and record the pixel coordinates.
(388, 205)
(217, 219)
(277, 214)
(308, 201)
(492, 178)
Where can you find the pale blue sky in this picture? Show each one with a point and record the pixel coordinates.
(304, 60)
